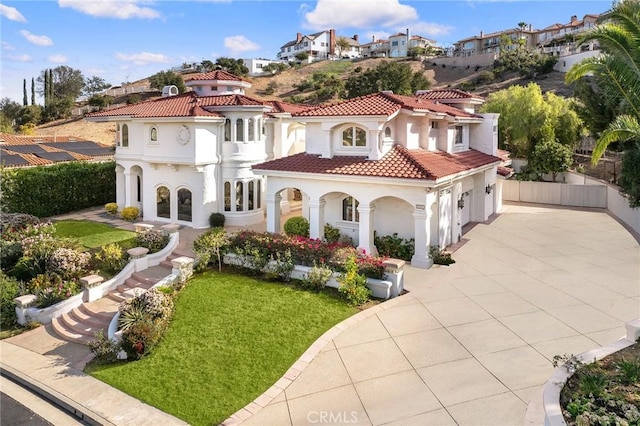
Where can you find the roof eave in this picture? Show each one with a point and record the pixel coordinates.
(341, 177)
(465, 173)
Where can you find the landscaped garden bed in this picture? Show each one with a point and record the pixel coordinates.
(231, 338)
(606, 392)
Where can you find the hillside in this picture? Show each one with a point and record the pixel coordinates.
(441, 77)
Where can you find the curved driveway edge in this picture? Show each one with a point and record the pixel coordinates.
(471, 344)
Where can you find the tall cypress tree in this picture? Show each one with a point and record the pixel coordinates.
(46, 88)
(33, 91)
(25, 100)
(51, 92)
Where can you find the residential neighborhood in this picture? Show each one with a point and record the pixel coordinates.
(377, 213)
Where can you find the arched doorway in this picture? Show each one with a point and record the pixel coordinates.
(185, 205)
(163, 202)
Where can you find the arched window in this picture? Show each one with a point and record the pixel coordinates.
(118, 134)
(354, 136)
(350, 210)
(125, 135)
(163, 200)
(252, 130)
(259, 194)
(239, 130)
(227, 130)
(184, 205)
(239, 197)
(250, 195)
(138, 188)
(153, 134)
(227, 196)
(387, 133)
(260, 126)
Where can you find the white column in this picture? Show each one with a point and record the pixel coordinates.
(316, 218)
(422, 237)
(120, 188)
(128, 201)
(365, 229)
(273, 213)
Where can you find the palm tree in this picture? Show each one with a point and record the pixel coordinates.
(619, 39)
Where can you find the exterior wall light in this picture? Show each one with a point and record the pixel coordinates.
(461, 203)
(488, 189)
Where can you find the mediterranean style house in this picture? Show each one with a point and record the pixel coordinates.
(319, 46)
(420, 166)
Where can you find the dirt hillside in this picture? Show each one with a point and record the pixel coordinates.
(441, 77)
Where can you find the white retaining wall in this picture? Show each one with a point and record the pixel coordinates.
(576, 190)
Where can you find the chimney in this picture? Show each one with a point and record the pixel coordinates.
(332, 42)
(481, 34)
(574, 18)
(373, 38)
(355, 37)
(530, 27)
(298, 37)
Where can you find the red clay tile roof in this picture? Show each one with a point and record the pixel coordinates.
(399, 163)
(445, 94)
(219, 75)
(279, 107)
(184, 105)
(381, 103)
(505, 171)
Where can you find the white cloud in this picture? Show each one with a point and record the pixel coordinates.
(430, 29)
(96, 71)
(7, 46)
(120, 9)
(40, 40)
(11, 13)
(57, 59)
(21, 58)
(143, 58)
(239, 43)
(358, 14)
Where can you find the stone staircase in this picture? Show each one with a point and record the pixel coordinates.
(81, 324)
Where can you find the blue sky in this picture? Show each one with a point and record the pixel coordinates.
(126, 40)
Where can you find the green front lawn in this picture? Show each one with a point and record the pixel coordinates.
(91, 234)
(232, 337)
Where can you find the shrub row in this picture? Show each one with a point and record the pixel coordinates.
(57, 189)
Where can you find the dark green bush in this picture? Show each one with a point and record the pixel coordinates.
(297, 225)
(9, 290)
(216, 220)
(57, 189)
(394, 246)
(331, 233)
(440, 257)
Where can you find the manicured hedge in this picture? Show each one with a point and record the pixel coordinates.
(57, 189)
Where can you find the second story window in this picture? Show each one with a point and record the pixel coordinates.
(227, 130)
(153, 135)
(240, 129)
(354, 136)
(252, 133)
(125, 135)
(457, 135)
(387, 133)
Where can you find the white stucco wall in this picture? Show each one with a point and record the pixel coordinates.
(483, 137)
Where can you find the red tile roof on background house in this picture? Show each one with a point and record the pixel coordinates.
(185, 105)
(381, 103)
(219, 75)
(284, 107)
(399, 163)
(444, 94)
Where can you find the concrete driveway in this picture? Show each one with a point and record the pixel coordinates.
(472, 344)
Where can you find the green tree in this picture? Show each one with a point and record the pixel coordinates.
(550, 157)
(388, 75)
(343, 45)
(30, 114)
(415, 52)
(528, 117)
(45, 91)
(33, 91)
(274, 68)
(302, 56)
(207, 66)
(167, 78)
(234, 66)
(100, 101)
(9, 111)
(595, 110)
(64, 82)
(24, 92)
(619, 38)
(57, 108)
(94, 85)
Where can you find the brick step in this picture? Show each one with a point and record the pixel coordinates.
(80, 327)
(131, 283)
(79, 316)
(69, 335)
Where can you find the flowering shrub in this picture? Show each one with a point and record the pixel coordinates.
(316, 278)
(38, 244)
(16, 221)
(144, 319)
(10, 288)
(331, 233)
(394, 246)
(111, 208)
(69, 263)
(353, 284)
(51, 288)
(153, 239)
(110, 259)
(209, 247)
(304, 251)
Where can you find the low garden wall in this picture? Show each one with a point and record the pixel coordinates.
(391, 286)
(93, 290)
